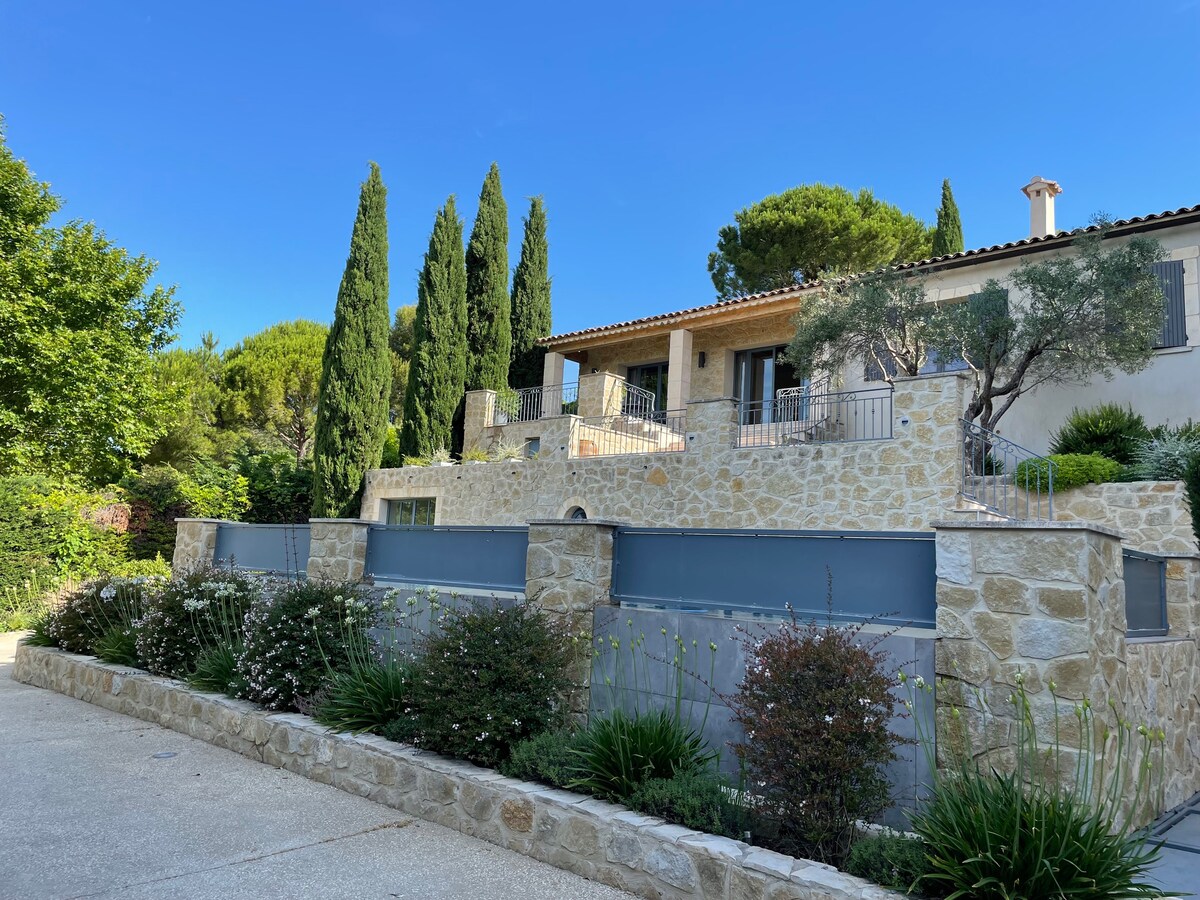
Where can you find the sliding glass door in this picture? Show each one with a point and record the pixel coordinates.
(758, 376)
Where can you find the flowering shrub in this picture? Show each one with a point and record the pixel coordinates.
(191, 615)
(294, 637)
(490, 678)
(815, 706)
(109, 607)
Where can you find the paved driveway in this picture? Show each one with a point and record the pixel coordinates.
(96, 804)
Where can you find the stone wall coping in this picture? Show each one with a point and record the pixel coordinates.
(712, 400)
(610, 844)
(1028, 525)
(607, 523)
(929, 376)
(346, 521)
(1172, 554)
(182, 519)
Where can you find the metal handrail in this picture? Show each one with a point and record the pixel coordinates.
(540, 402)
(636, 401)
(620, 434)
(1003, 477)
(804, 417)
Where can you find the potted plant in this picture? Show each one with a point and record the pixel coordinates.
(508, 451)
(508, 406)
(440, 457)
(474, 457)
(415, 461)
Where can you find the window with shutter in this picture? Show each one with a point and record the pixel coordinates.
(1174, 330)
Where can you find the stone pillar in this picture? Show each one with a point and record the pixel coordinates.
(679, 370)
(338, 550)
(711, 425)
(1183, 594)
(600, 394)
(1046, 600)
(195, 544)
(552, 379)
(478, 419)
(568, 573)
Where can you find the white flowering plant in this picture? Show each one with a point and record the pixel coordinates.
(295, 637)
(102, 618)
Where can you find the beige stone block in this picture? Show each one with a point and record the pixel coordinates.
(1062, 603)
(995, 631)
(954, 597)
(1007, 595)
(965, 660)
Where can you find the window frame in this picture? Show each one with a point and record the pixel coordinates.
(424, 508)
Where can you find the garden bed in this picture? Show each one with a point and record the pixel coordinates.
(601, 841)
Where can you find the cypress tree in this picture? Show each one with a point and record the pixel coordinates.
(530, 301)
(356, 368)
(948, 236)
(438, 370)
(489, 334)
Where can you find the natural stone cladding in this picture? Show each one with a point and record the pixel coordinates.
(195, 543)
(1152, 516)
(903, 483)
(606, 843)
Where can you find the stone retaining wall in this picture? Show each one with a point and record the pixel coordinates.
(607, 843)
(1152, 516)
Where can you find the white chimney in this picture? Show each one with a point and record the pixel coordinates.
(1041, 194)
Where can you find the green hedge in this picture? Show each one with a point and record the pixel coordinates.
(1070, 470)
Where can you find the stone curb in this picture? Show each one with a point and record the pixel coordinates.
(606, 843)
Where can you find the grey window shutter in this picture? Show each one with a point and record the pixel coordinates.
(1170, 279)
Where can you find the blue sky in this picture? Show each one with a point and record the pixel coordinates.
(228, 140)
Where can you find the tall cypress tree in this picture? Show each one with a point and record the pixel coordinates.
(489, 332)
(948, 236)
(530, 301)
(438, 370)
(356, 368)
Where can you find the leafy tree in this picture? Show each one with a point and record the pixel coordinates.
(271, 382)
(882, 319)
(158, 495)
(489, 333)
(1078, 316)
(278, 487)
(191, 379)
(948, 236)
(78, 332)
(530, 301)
(401, 344)
(356, 368)
(439, 361)
(808, 231)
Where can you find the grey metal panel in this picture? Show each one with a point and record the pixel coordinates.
(264, 548)
(1170, 279)
(886, 574)
(450, 555)
(1145, 594)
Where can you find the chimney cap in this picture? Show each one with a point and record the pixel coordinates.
(1038, 183)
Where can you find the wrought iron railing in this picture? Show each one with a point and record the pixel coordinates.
(1003, 477)
(637, 402)
(653, 432)
(541, 402)
(799, 416)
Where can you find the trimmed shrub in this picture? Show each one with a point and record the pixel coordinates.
(158, 495)
(695, 798)
(490, 678)
(193, 614)
(1111, 430)
(548, 757)
(1070, 470)
(891, 860)
(278, 488)
(294, 637)
(816, 708)
(1166, 458)
(619, 752)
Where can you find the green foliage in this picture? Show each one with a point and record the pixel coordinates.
(192, 614)
(619, 752)
(191, 380)
(39, 631)
(364, 698)
(1166, 458)
(356, 368)
(1070, 470)
(948, 235)
(79, 328)
(491, 677)
(816, 708)
(1050, 824)
(1109, 429)
(23, 606)
(293, 637)
(271, 382)
(438, 371)
(95, 610)
(808, 231)
(402, 343)
(391, 458)
(118, 645)
(489, 330)
(158, 495)
(891, 860)
(278, 487)
(1191, 479)
(879, 318)
(548, 757)
(1072, 318)
(531, 301)
(216, 669)
(693, 798)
